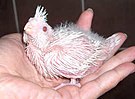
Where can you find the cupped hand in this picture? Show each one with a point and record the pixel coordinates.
(19, 78)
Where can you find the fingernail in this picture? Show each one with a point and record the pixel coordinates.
(89, 9)
(125, 34)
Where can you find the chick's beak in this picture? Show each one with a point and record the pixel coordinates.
(28, 28)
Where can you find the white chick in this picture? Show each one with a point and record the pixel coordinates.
(67, 50)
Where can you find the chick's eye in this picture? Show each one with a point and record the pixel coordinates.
(44, 28)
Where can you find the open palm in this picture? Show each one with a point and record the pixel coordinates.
(19, 79)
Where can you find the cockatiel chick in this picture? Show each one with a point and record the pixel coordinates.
(67, 50)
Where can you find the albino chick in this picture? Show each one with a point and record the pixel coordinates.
(67, 50)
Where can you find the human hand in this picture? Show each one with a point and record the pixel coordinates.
(19, 79)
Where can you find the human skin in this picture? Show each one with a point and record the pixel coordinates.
(20, 80)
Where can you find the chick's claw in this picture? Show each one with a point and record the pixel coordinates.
(73, 82)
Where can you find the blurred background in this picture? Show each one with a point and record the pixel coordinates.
(109, 17)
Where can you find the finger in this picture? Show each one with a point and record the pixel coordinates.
(106, 81)
(127, 55)
(122, 37)
(85, 19)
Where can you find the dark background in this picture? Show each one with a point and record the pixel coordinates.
(110, 16)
